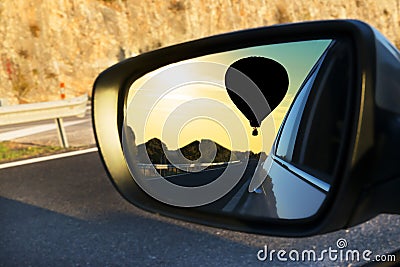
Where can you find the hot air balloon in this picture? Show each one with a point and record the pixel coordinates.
(256, 85)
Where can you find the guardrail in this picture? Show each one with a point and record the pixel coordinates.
(43, 111)
(151, 169)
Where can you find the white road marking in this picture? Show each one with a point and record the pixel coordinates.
(232, 204)
(11, 135)
(46, 158)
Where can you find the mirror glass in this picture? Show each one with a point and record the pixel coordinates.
(210, 132)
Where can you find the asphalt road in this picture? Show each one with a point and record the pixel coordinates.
(65, 212)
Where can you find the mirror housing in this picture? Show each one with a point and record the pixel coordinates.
(369, 178)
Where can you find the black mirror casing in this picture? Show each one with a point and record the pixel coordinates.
(350, 198)
(380, 161)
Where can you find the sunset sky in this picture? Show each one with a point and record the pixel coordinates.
(187, 101)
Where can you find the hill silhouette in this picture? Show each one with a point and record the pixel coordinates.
(198, 151)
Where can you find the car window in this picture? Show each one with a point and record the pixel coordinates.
(312, 136)
(291, 125)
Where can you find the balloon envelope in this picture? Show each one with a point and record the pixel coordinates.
(246, 78)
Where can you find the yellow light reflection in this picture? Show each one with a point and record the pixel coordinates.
(146, 96)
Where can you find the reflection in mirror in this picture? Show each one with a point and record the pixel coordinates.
(201, 132)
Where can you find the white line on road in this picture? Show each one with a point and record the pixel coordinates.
(232, 204)
(7, 136)
(46, 158)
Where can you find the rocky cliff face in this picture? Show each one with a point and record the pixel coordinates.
(46, 42)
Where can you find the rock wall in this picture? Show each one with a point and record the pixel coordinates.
(46, 42)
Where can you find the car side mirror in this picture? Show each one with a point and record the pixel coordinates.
(289, 130)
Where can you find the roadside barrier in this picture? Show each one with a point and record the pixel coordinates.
(56, 110)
